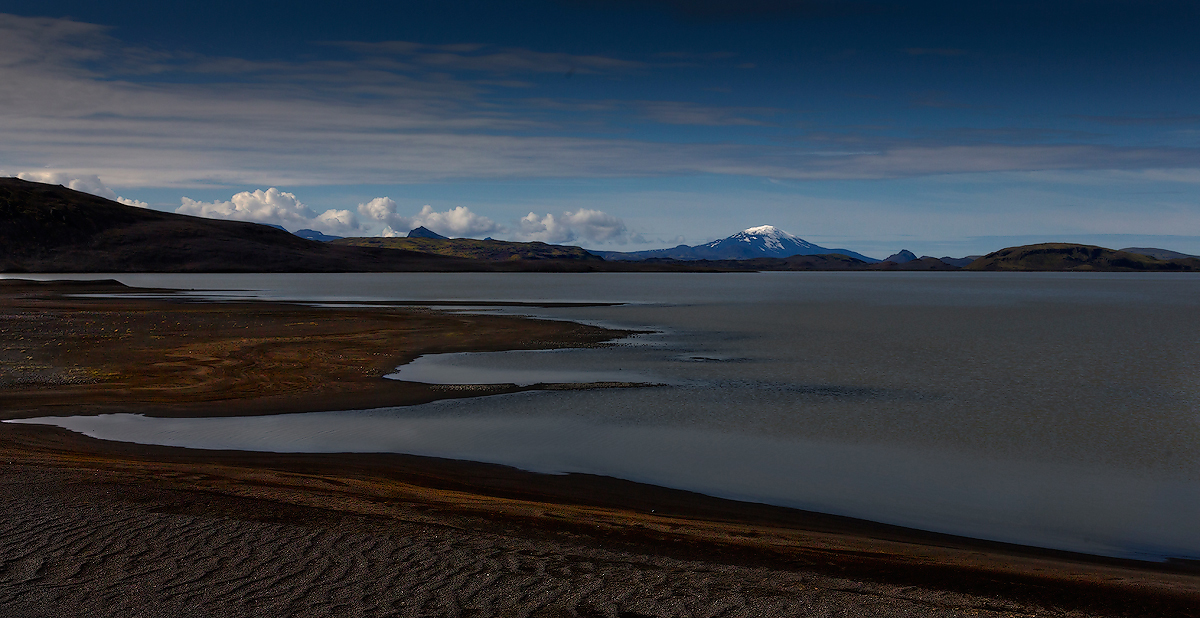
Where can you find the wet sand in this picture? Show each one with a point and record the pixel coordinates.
(91, 527)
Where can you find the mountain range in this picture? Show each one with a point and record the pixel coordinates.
(764, 241)
(50, 228)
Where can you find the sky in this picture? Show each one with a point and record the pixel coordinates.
(945, 128)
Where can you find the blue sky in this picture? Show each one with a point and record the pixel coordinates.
(876, 126)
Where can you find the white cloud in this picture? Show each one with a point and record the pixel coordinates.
(87, 183)
(377, 217)
(383, 210)
(547, 228)
(270, 206)
(597, 226)
(456, 222)
(593, 225)
(128, 202)
(337, 222)
(274, 207)
(585, 223)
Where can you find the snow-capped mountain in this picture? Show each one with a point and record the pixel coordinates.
(761, 241)
(755, 242)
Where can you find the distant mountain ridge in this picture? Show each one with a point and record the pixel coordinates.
(50, 228)
(764, 241)
(315, 235)
(901, 257)
(488, 250)
(960, 262)
(424, 232)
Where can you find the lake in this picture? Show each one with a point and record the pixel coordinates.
(1058, 410)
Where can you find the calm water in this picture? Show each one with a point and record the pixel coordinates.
(1059, 410)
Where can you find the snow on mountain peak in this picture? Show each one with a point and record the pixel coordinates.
(770, 237)
(765, 230)
(764, 240)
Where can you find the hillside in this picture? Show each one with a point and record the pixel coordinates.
(1158, 254)
(489, 250)
(1072, 257)
(49, 228)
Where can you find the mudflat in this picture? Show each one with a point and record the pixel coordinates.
(91, 527)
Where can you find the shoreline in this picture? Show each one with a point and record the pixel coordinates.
(191, 357)
(578, 510)
(628, 518)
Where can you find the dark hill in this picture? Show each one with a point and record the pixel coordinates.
(490, 250)
(1072, 257)
(49, 228)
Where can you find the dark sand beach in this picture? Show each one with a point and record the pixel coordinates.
(101, 528)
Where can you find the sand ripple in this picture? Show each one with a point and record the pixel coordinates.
(72, 548)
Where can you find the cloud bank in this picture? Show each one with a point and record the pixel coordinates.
(381, 217)
(87, 183)
(591, 225)
(456, 222)
(274, 207)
